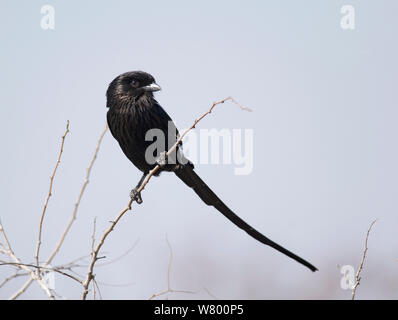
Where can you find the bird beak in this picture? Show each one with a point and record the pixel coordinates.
(152, 87)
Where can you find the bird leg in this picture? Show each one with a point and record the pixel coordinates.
(134, 194)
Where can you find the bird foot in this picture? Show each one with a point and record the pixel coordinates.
(136, 196)
(161, 161)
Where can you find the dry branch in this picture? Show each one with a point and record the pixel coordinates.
(11, 277)
(49, 193)
(20, 264)
(79, 198)
(357, 276)
(169, 289)
(94, 256)
(66, 230)
(9, 252)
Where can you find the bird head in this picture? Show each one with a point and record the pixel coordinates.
(132, 84)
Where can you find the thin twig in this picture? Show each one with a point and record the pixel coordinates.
(121, 256)
(73, 263)
(120, 285)
(93, 235)
(98, 288)
(170, 261)
(8, 251)
(79, 198)
(169, 289)
(210, 294)
(20, 264)
(22, 289)
(357, 276)
(73, 217)
(171, 150)
(94, 257)
(6, 242)
(13, 276)
(49, 193)
(92, 249)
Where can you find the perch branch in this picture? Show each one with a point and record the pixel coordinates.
(94, 256)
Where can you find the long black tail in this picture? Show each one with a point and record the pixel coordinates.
(187, 174)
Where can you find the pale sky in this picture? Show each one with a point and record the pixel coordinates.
(324, 117)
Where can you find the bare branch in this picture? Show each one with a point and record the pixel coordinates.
(119, 257)
(172, 149)
(79, 198)
(73, 217)
(170, 261)
(92, 249)
(210, 294)
(43, 268)
(21, 290)
(49, 193)
(6, 242)
(11, 277)
(93, 235)
(73, 264)
(8, 251)
(357, 276)
(169, 289)
(94, 257)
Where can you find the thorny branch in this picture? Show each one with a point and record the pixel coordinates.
(49, 193)
(11, 277)
(79, 198)
(92, 249)
(169, 289)
(33, 270)
(94, 257)
(65, 232)
(20, 264)
(9, 252)
(357, 276)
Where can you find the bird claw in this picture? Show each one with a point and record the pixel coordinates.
(161, 161)
(136, 196)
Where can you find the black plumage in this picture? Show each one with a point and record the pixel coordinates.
(132, 112)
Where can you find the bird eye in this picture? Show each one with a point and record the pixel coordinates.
(135, 83)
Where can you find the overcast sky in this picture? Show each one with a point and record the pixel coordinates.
(324, 126)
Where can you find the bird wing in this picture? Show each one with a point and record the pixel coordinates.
(163, 122)
(187, 174)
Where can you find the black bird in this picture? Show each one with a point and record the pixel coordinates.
(132, 112)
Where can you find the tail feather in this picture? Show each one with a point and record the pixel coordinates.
(187, 174)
